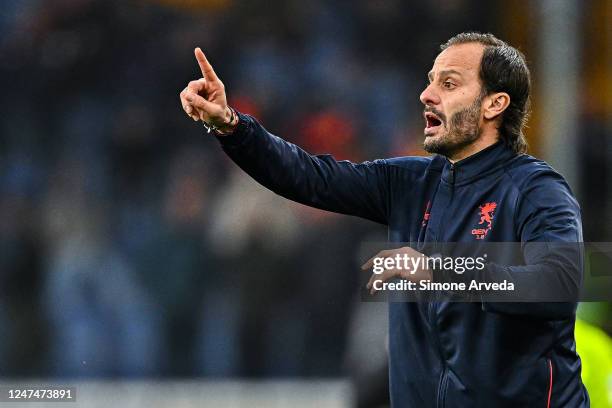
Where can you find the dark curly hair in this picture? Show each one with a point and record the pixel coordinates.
(503, 69)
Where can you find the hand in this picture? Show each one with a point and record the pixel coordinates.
(204, 99)
(407, 264)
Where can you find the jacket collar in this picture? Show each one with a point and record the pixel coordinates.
(478, 164)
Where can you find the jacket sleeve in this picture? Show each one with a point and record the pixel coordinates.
(550, 231)
(315, 180)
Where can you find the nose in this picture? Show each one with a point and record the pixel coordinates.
(429, 96)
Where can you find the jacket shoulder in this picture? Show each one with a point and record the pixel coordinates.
(545, 196)
(528, 173)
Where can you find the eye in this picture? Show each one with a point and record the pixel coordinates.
(448, 84)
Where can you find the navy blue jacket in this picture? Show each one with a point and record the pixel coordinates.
(449, 354)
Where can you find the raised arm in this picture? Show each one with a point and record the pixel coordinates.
(316, 180)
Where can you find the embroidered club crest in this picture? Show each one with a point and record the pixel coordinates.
(486, 213)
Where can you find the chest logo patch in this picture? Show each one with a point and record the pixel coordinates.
(486, 213)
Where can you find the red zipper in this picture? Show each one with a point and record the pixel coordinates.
(550, 383)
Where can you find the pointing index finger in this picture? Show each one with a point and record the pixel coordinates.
(207, 70)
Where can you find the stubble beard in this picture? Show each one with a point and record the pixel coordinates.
(463, 130)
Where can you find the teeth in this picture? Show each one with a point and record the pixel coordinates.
(432, 119)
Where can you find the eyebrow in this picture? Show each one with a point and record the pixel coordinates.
(443, 73)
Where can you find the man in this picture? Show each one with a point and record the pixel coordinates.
(479, 185)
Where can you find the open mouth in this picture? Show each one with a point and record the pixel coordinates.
(432, 122)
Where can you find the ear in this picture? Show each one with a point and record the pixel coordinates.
(495, 104)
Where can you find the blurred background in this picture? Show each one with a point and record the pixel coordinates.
(132, 249)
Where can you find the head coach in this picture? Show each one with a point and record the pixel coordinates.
(479, 184)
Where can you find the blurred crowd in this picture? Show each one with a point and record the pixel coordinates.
(131, 246)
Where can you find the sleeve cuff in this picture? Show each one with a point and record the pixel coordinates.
(240, 135)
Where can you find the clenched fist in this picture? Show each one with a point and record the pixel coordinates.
(204, 99)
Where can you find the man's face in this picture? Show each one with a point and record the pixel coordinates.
(453, 100)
